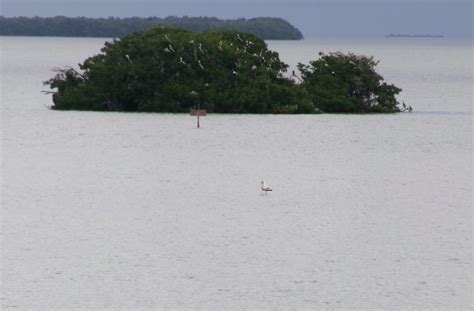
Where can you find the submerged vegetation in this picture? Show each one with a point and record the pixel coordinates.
(266, 28)
(172, 70)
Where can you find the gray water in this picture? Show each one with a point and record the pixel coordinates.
(144, 211)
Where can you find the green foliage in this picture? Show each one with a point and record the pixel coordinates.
(263, 27)
(171, 70)
(338, 82)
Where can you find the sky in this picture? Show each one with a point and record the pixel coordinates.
(315, 18)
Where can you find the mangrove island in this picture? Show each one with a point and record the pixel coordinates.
(227, 71)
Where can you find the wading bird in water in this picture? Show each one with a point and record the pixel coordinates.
(264, 187)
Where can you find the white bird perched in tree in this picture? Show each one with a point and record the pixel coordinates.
(128, 58)
(171, 48)
(167, 50)
(264, 187)
(234, 72)
(200, 65)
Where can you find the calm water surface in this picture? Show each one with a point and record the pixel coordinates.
(144, 211)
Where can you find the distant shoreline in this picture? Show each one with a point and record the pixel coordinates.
(413, 36)
(266, 28)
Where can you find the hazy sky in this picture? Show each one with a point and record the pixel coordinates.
(338, 18)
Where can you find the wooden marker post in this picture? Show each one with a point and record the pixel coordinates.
(198, 112)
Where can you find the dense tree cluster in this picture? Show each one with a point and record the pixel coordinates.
(263, 27)
(173, 70)
(340, 82)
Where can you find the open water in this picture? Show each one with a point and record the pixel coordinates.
(144, 211)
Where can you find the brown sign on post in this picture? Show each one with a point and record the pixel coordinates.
(198, 112)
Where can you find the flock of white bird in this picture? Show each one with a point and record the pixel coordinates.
(248, 44)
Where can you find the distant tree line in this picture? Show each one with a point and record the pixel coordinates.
(172, 70)
(266, 28)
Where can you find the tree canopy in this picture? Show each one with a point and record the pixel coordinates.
(171, 70)
(338, 82)
(266, 28)
(174, 70)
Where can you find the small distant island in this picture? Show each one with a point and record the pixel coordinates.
(174, 70)
(413, 36)
(266, 28)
